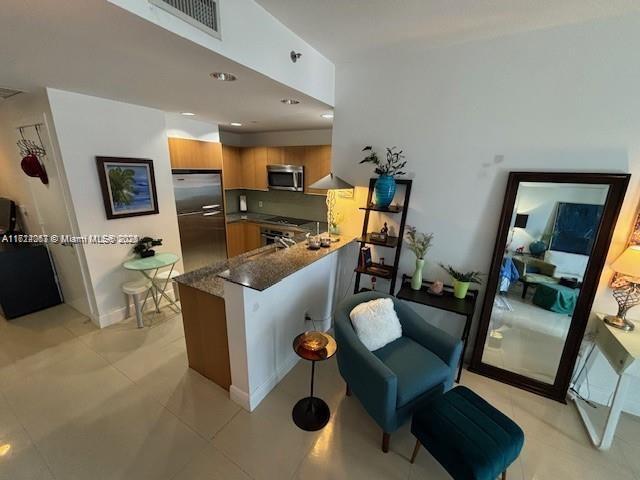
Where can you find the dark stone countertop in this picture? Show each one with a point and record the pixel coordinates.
(258, 269)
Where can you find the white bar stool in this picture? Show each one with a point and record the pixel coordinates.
(136, 290)
(162, 277)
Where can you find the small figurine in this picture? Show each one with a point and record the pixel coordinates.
(373, 282)
(381, 260)
(437, 287)
(385, 229)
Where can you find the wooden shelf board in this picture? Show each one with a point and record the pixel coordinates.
(386, 271)
(392, 242)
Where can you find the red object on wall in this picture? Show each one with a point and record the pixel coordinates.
(31, 166)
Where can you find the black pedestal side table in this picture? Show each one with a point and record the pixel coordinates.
(312, 413)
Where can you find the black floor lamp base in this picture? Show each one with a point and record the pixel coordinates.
(311, 414)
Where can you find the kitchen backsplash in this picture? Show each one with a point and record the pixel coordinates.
(287, 204)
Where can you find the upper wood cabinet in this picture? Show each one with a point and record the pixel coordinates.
(185, 153)
(231, 168)
(317, 164)
(260, 159)
(246, 167)
(293, 155)
(275, 156)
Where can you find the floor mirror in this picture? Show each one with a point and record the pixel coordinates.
(552, 241)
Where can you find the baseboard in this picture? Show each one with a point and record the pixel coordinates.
(120, 314)
(240, 397)
(250, 401)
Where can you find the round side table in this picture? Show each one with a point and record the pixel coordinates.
(312, 413)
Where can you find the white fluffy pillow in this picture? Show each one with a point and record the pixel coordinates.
(376, 323)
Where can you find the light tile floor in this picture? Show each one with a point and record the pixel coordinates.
(120, 403)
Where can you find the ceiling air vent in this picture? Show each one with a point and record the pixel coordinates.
(8, 92)
(202, 14)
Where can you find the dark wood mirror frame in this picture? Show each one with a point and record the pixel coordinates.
(558, 390)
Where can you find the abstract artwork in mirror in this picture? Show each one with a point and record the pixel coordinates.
(555, 229)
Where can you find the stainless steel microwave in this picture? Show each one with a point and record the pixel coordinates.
(286, 177)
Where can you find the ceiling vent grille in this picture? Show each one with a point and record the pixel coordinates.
(202, 14)
(8, 92)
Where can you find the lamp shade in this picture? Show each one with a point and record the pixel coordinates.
(331, 182)
(628, 263)
(521, 220)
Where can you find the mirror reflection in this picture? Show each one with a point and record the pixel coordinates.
(550, 239)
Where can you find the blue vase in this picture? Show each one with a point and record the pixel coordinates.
(385, 189)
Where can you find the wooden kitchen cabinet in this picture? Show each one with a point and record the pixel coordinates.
(317, 164)
(231, 168)
(275, 156)
(293, 155)
(248, 163)
(185, 153)
(252, 239)
(260, 159)
(242, 237)
(235, 239)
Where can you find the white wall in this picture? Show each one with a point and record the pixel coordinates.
(88, 127)
(261, 327)
(180, 126)
(252, 37)
(286, 138)
(563, 99)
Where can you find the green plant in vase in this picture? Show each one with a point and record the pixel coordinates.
(387, 170)
(419, 243)
(462, 280)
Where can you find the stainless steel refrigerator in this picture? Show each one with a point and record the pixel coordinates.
(200, 217)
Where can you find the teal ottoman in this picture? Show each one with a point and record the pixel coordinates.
(470, 438)
(556, 298)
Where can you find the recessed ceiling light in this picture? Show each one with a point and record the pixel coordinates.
(188, 114)
(290, 101)
(223, 76)
(327, 115)
(235, 124)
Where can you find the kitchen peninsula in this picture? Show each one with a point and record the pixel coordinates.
(241, 315)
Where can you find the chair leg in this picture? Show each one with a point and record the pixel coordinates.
(385, 441)
(504, 475)
(415, 451)
(128, 300)
(348, 390)
(138, 305)
(176, 291)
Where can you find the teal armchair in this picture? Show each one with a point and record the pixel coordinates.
(395, 380)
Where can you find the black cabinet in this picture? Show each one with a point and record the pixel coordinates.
(27, 280)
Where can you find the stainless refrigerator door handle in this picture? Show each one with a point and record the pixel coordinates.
(209, 207)
(208, 214)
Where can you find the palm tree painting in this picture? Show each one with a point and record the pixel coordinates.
(128, 186)
(122, 184)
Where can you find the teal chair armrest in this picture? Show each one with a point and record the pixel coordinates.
(439, 342)
(368, 377)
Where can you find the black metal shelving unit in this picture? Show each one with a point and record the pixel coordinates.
(388, 272)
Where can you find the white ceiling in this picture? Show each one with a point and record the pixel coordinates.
(342, 29)
(94, 47)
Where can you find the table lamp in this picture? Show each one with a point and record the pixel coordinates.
(331, 183)
(628, 294)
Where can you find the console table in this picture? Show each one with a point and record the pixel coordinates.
(447, 302)
(622, 351)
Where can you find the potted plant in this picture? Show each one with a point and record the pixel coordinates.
(387, 170)
(143, 247)
(461, 281)
(419, 243)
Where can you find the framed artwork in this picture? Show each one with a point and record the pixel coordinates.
(128, 186)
